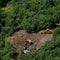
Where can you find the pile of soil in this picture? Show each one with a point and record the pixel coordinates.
(18, 39)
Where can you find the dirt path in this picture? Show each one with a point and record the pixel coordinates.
(18, 38)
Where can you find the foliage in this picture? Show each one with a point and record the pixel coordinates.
(6, 49)
(7, 53)
(2, 19)
(3, 3)
(56, 33)
(32, 16)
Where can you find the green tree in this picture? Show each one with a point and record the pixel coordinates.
(7, 53)
(2, 19)
(3, 3)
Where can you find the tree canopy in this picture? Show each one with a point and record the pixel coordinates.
(31, 16)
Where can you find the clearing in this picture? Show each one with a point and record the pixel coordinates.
(18, 38)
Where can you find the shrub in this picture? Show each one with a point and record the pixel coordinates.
(56, 33)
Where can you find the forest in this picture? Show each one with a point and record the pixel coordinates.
(31, 16)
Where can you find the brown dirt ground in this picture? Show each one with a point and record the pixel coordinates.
(18, 39)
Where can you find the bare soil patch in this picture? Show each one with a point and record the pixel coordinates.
(18, 39)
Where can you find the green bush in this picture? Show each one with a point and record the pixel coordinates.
(7, 52)
(30, 25)
(40, 14)
(56, 33)
(2, 19)
(3, 3)
(46, 21)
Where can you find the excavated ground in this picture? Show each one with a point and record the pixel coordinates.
(18, 39)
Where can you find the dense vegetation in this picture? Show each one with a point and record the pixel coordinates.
(32, 16)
